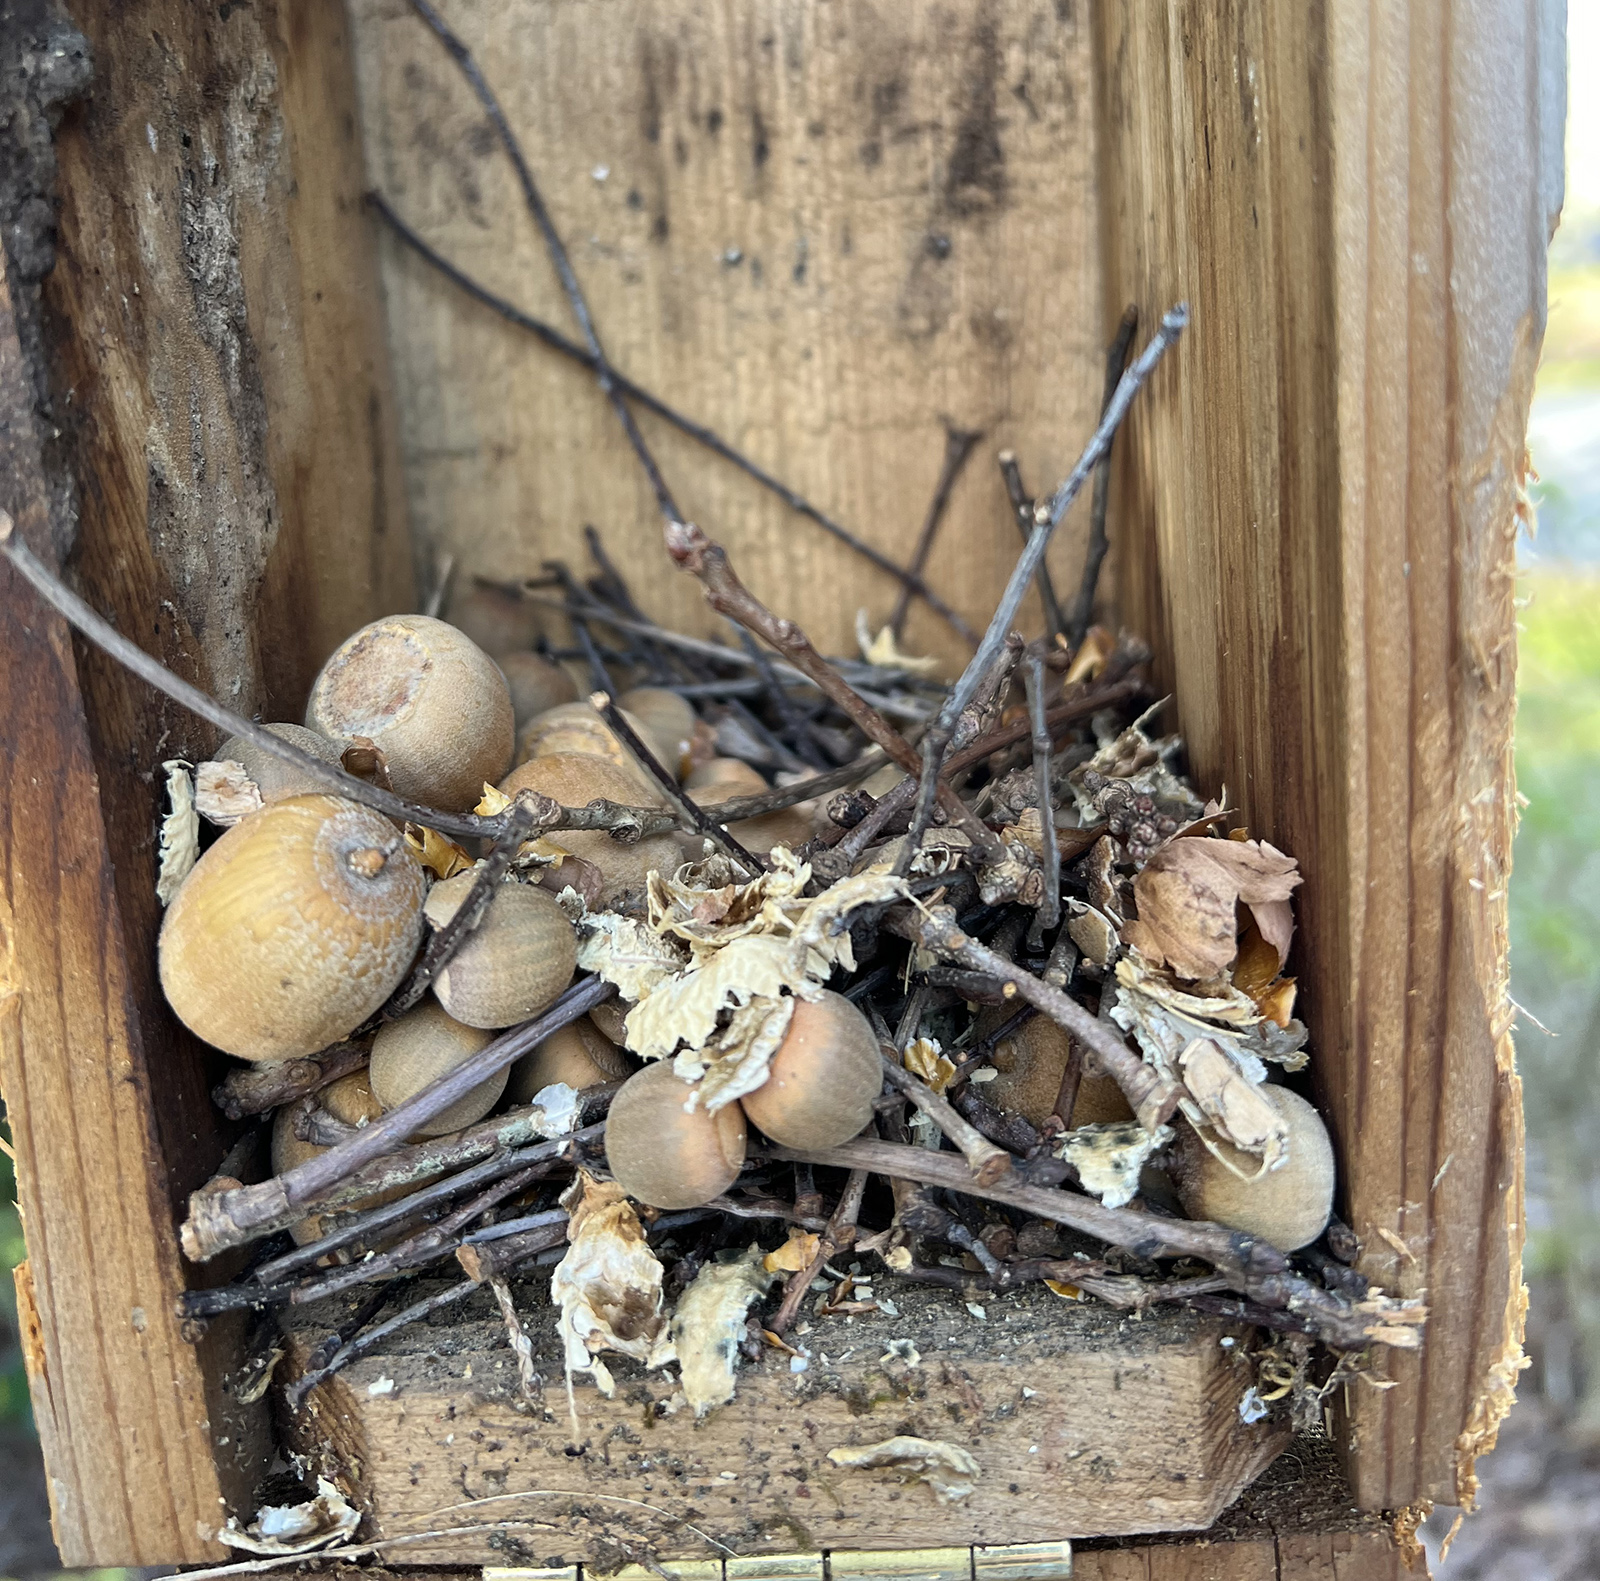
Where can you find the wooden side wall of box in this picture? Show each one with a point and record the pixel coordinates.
(216, 377)
(1320, 503)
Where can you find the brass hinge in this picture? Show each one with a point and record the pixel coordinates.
(1008, 1562)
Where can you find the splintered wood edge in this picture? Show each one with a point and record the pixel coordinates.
(1132, 1427)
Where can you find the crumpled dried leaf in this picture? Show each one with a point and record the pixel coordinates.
(443, 858)
(622, 950)
(709, 1323)
(224, 793)
(884, 651)
(608, 1286)
(1090, 659)
(798, 1252)
(492, 803)
(1187, 893)
(180, 832)
(947, 1468)
(1234, 1104)
(1108, 1157)
(734, 1060)
(924, 1058)
(295, 1528)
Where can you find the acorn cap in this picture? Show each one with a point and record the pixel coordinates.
(513, 964)
(292, 929)
(824, 1078)
(429, 697)
(662, 1153)
(415, 1051)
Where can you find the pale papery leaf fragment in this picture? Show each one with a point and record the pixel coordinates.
(1109, 1157)
(947, 1468)
(224, 793)
(283, 1529)
(798, 1252)
(180, 832)
(709, 1322)
(925, 1059)
(608, 1285)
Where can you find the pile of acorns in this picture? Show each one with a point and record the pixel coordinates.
(295, 928)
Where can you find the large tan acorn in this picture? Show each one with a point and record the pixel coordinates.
(575, 780)
(351, 1100)
(668, 716)
(497, 619)
(419, 1048)
(663, 1154)
(273, 777)
(579, 1054)
(1287, 1208)
(536, 684)
(513, 964)
(1031, 1062)
(823, 1079)
(292, 929)
(430, 697)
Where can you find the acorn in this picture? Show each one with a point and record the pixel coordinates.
(415, 1051)
(497, 620)
(578, 1054)
(662, 1153)
(536, 684)
(292, 929)
(724, 779)
(1031, 1062)
(823, 1079)
(351, 1100)
(1289, 1207)
(513, 964)
(429, 697)
(575, 780)
(274, 777)
(669, 718)
(575, 728)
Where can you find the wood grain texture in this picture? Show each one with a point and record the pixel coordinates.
(1323, 490)
(216, 380)
(821, 229)
(1130, 1427)
(1339, 1556)
(119, 1398)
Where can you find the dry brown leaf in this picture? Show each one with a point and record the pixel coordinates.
(1187, 896)
(608, 1286)
(1277, 1005)
(924, 1058)
(443, 858)
(224, 793)
(709, 1323)
(492, 803)
(1090, 659)
(1092, 933)
(1234, 1105)
(798, 1252)
(885, 652)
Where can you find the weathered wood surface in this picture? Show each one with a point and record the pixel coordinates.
(216, 382)
(822, 230)
(1319, 508)
(1129, 1427)
(1339, 1556)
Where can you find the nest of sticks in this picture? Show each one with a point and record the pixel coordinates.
(965, 978)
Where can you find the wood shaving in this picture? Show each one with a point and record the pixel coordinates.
(180, 832)
(947, 1468)
(709, 1323)
(224, 793)
(282, 1529)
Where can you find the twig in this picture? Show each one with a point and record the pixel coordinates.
(839, 1234)
(557, 250)
(1046, 520)
(521, 1346)
(694, 817)
(958, 445)
(218, 1220)
(1022, 514)
(1048, 914)
(653, 403)
(254, 1089)
(1077, 625)
(692, 550)
(987, 1162)
(485, 1260)
(599, 676)
(795, 720)
(1152, 1097)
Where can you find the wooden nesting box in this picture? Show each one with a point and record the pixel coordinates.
(240, 417)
